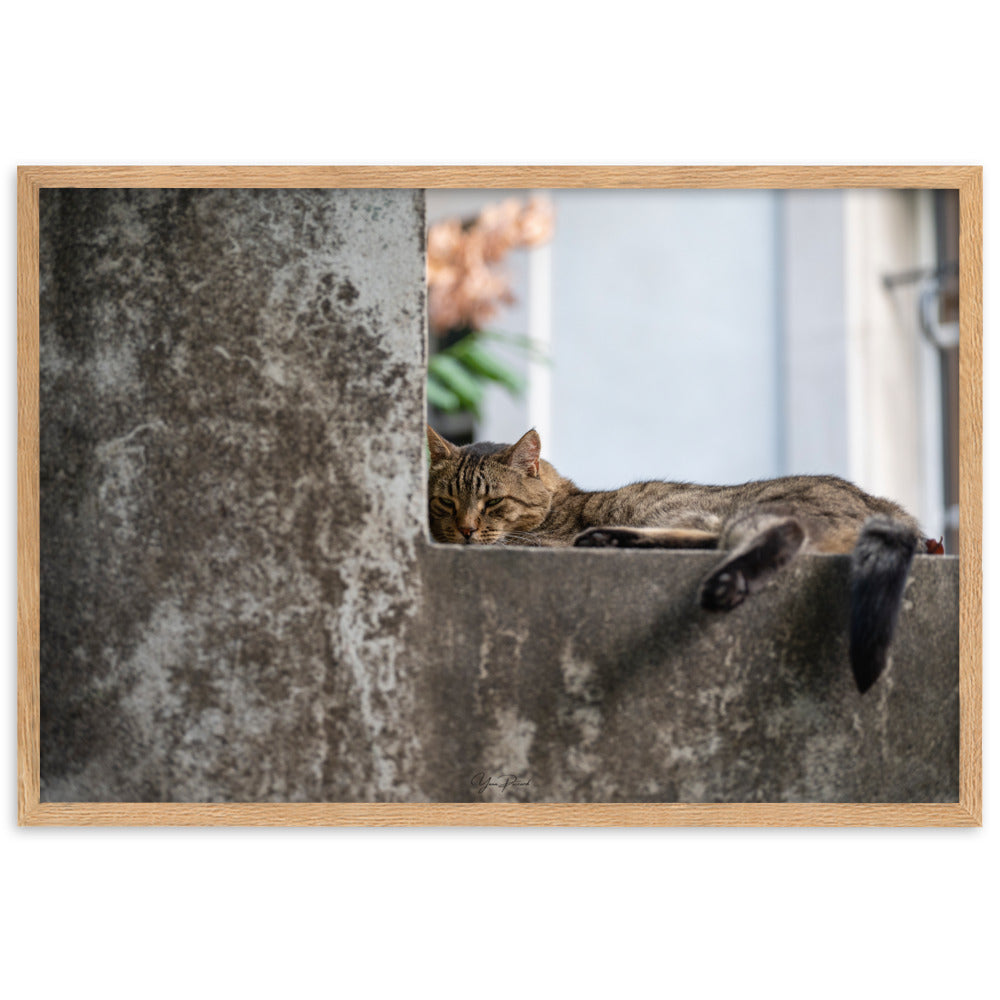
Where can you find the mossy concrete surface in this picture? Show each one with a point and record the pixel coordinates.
(239, 601)
(597, 676)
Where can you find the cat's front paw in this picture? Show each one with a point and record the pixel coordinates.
(724, 589)
(607, 538)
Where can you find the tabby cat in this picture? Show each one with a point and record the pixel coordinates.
(498, 494)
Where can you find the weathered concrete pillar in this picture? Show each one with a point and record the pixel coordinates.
(239, 601)
(231, 400)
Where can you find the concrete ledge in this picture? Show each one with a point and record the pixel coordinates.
(597, 676)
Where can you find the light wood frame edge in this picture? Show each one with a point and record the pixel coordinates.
(966, 812)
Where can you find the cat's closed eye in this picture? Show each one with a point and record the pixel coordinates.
(494, 501)
(446, 502)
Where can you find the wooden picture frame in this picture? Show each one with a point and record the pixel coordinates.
(967, 811)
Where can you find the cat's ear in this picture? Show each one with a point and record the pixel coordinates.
(440, 449)
(524, 455)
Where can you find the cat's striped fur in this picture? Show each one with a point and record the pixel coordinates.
(495, 494)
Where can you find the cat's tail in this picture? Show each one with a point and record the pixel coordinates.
(880, 564)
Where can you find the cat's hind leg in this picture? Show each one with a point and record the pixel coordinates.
(646, 538)
(752, 564)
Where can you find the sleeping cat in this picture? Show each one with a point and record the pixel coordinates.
(498, 494)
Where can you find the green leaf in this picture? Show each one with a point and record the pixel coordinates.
(441, 396)
(532, 348)
(459, 379)
(474, 356)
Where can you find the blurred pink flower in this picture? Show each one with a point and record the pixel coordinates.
(464, 289)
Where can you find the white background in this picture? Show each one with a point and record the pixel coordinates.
(155, 913)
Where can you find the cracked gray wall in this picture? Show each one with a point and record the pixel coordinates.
(239, 602)
(230, 501)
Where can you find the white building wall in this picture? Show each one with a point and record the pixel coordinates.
(894, 412)
(664, 334)
(813, 296)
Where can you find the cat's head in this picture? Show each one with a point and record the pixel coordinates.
(485, 494)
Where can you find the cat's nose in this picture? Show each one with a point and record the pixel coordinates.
(466, 530)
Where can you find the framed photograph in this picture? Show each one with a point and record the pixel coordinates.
(576, 496)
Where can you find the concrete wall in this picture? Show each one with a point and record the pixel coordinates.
(239, 601)
(231, 492)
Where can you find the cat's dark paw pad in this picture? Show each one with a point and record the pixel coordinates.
(723, 590)
(606, 538)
